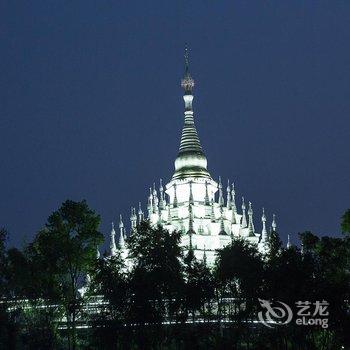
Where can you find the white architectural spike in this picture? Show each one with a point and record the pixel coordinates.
(212, 214)
(155, 199)
(121, 242)
(206, 198)
(98, 254)
(121, 223)
(112, 246)
(161, 195)
(204, 256)
(222, 224)
(233, 198)
(274, 225)
(289, 244)
(250, 220)
(169, 215)
(175, 197)
(228, 190)
(264, 235)
(140, 213)
(190, 219)
(244, 216)
(150, 203)
(191, 194)
(133, 219)
(221, 197)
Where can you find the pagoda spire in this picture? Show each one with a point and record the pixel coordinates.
(150, 203)
(212, 214)
(204, 255)
(264, 236)
(233, 204)
(190, 161)
(190, 221)
(244, 217)
(289, 244)
(187, 82)
(133, 219)
(191, 194)
(155, 199)
(140, 213)
(206, 198)
(175, 197)
(250, 220)
(161, 194)
(274, 225)
(112, 246)
(121, 242)
(233, 198)
(228, 191)
(221, 197)
(222, 224)
(169, 215)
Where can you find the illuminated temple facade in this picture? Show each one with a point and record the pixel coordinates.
(193, 202)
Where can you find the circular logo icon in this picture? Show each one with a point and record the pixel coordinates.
(274, 313)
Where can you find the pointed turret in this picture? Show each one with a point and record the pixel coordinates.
(233, 204)
(264, 235)
(133, 219)
(205, 256)
(140, 213)
(150, 203)
(250, 220)
(155, 199)
(121, 242)
(191, 161)
(190, 220)
(228, 191)
(233, 198)
(212, 213)
(273, 225)
(112, 246)
(161, 195)
(169, 215)
(175, 197)
(221, 197)
(244, 217)
(289, 244)
(206, 198)
(222, 224)
(191, 194)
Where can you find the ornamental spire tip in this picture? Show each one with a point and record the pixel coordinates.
(187, 82)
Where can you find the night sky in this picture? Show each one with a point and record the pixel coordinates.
(91, 105)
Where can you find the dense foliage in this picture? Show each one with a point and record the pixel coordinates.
(55, 293)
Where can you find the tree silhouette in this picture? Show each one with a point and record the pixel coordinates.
(345, 223)
(199, 287)
(62, 253)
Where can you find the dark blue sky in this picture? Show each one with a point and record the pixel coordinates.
(91, 105)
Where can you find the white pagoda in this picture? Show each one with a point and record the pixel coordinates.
(193, 203)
